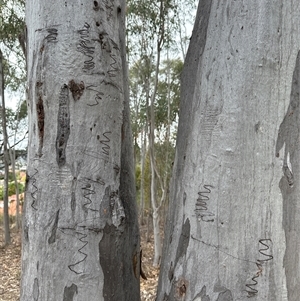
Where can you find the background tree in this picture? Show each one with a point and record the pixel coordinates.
(154, 25)
(80, 232)
(233, 220)
(6, 154)
(13, 64)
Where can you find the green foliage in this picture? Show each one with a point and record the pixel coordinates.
(168, 88)
(154, 78)
(12, 27)
(10, 176)
(140, 78)
(11, 20)
(22, 113)
(11, 189)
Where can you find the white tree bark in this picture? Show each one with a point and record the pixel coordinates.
(233, 227)
(80, 232)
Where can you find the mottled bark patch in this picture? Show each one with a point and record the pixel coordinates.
(288, 139)
(25, 233)
(225, 296)
(171, 272)
(117, 210)
(181, 287)
(69, 292)
(111, 264)
(73, 201)
(52, 238)
(63, 126)
(202, 295)
(76, 89)
(183, 240)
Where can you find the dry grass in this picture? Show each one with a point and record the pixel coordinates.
(10, 271)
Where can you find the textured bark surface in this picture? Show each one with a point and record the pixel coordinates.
(234, 212)
(81, 239)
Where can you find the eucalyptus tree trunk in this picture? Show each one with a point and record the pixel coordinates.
(7, 238)
(80, 231)
(233, 226)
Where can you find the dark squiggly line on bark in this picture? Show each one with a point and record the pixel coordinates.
(35, 190)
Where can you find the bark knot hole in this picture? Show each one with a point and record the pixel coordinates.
(181, 287)
(77, 89)
(96, 5)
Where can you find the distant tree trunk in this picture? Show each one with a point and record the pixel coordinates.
(143, 159)
(155, 204)
(80, 230)
(234, 214)
(12, 155)
(7, 238)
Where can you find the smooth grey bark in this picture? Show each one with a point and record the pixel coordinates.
(7, 238)
(234, 213)
(80, 229)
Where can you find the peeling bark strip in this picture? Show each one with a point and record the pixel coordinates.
(51, 239)
(36, 290)
(40, 116)
(288, 138)
(63, 125)
(69, 292)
